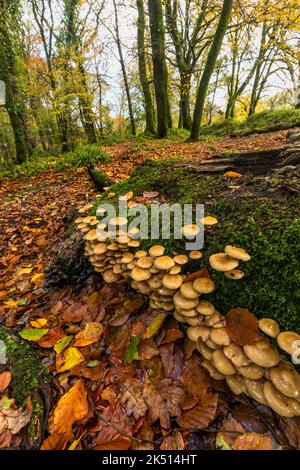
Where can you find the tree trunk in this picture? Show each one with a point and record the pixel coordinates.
(14, 102)
(185, 87)
(209, 67)
(297, 104)
(87, 108)
(150, 123)
(124, 72)
(160, 72)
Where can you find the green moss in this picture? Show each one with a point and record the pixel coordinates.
(28, 373)
(267, 227)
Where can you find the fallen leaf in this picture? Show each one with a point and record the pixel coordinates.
(253, 441)
(131, 353)
(91, 334)
(62, 344)
(201, 415)
(5, 378)
(157, 406)
(33, 334)
(52, 337)
(155, 326)
(70, 358)
(39, 322)
(132, 397)
(173, 442)
(242, 326)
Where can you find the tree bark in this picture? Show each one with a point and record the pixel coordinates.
(210, 66)
(185, 88)
(150, 122)
(160, 72)
(124, 72)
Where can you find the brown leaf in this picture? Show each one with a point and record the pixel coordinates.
(115, 433)
(157, 406)
(174, 442)
(201, 415)
(75, 313)
(167, 360)
(5, 378)
(91, 334)
(13, 419)
(253, 441)
(174, 396)
(133, 398)
(231, 429)
(195, 378)
(147, 349)
(71, 407)
(51, 338)
(242, 326)
(145, 434)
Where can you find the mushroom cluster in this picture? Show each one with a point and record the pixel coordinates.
(257, 370)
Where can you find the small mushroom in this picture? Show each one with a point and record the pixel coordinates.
(236, 355)
(286, 379)
(109, 276)
(222, 364)
(269, 327)
(278, 402)
(220, 336)
(139, 274)
(181, 259)
(156, 251)
(195, 332)
(100, 248)
(175, 270)
(204, 285)
(204, 350)
(190, 231)
(252, 371)
(91, 235)
(237, 253)
(155, 281)
(127, 258)
(216, 320)
(262, 354)
(255, 388)
(235, 274)
(222, 262)
(179, 317)
(145, 262)
(188, 291)
(118, 222)
(193, 321)
(188, 313)
(164, 263)
(141, 254)
(195, 255)
(183, 302)
(209, 220)
(134, 244)
(236, 384)
(286, 341)
(172, 281)
(213, 372)
(205, 308)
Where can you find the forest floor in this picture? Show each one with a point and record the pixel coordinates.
(149, 403)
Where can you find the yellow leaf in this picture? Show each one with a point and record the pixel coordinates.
(70, 358)
(39, 322)
(38, 279)
(76, 442)
(11, 304)
(154, 327)
(89, 335)
(24, 271)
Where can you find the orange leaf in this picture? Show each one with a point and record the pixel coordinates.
(242, 326)
(201, 415)
(253, 441)
(5, 379)
(72, 407)
(91, 334)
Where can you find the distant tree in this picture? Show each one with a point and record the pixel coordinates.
(145, 82)
(210, 67)
(160, 72)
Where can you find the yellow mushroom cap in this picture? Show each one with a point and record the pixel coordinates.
(134, 244)
(91, 235)
(213, 372)
(140, 253)
(195, 332)
(109, 276)
(286, 379)
(118, 221)
(188, 291)
(156, 250)
(237, 253)
(195, 255)
(181, 259)
(255, 388)
(236, 384)
(204, 350)
(277, 401)
(286, 341)
(220, 336)
(183, 302)
(188, 313)
(172, 281)
(139, 274)
(262, 354)
(127, 258)
(235, 274)
(222, 262)
(190, 231)
(236, 354)
(252, 371)
(205, 308)
(145, 262)
(204, 285)
(164, 262)
(269, 326)
(209, 220)
(175, 270)
(222, 364)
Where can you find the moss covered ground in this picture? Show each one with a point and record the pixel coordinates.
(265, 223)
